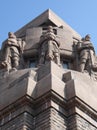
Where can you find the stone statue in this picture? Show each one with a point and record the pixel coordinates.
(12, 50)
(86, 53)
(49, 46)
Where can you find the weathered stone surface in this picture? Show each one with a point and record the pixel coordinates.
(18, 85)
(51, 68)
(48, 83)
(33, 37)
(82, 86)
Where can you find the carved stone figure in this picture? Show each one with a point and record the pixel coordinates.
(12, 52)
(49, 47)
(87, 54)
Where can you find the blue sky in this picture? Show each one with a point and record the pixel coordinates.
(81, 15)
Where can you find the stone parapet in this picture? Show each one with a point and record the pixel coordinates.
(48, 100)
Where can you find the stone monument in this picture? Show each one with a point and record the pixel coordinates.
(49, 47)
(48, 78)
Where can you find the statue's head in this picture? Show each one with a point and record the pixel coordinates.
(87, 37)
(11, 35)
(50, 29)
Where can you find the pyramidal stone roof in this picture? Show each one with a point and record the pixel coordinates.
(48, 15)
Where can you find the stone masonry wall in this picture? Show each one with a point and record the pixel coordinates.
(83, 124)
(19, 122)
(58, 120)
(48, 119)
(42, 120)
(76, 122)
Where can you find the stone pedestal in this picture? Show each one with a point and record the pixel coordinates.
(48, 98)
